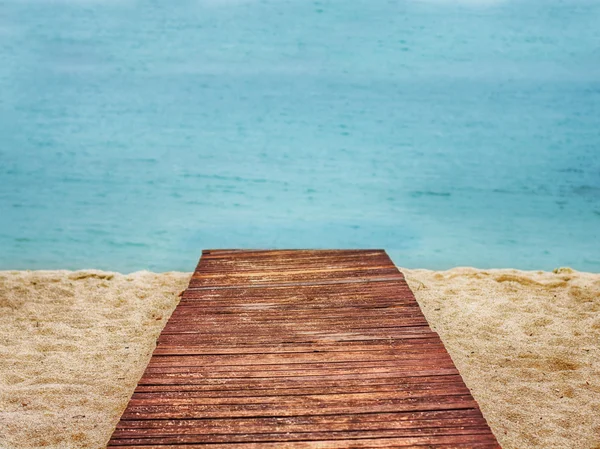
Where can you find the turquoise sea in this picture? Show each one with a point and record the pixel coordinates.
(451, 132)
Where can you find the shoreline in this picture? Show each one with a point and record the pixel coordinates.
(76, 342)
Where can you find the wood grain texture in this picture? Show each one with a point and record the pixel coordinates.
(300, 349)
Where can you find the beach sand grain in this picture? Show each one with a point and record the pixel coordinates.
(74, 344)
(72, 348)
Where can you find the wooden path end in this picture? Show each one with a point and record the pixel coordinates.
(300, 349)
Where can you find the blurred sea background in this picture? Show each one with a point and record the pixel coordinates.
(451, 132)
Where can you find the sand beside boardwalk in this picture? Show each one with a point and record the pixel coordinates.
(527, 345)
(72, 348)
(73, 345)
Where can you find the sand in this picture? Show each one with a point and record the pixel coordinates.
(72, 348)
(73, 345)
(527, 345)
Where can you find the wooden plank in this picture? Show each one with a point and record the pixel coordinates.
(222, 388)
(438, 441)
(462, 417)
(199, 409)
(177, 392)
(195, 378)
(283, 348)
(300, 349)
(291, 358)
(421, 432)
(321, 338)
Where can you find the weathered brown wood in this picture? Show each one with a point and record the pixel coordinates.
(345, 347)
(370, 421)
(437, 441)
(193, 378)
(415, 389)
(291, 358)
(301, 423)
(290, 436)
(300, 349)
(301, 385)
(279, 408)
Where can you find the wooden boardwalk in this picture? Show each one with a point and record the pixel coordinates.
(300, 349)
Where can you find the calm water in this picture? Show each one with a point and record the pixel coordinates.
(134, 134)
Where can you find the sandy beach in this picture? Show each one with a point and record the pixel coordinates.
(74, 344)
